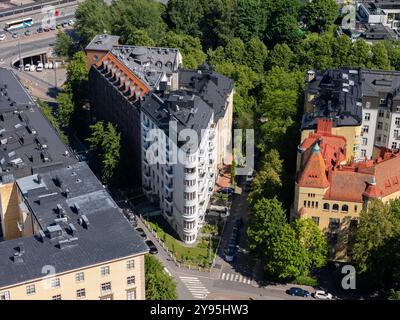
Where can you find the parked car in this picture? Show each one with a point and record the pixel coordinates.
(323, 295)
(230, 255)
(53, 27)
(32, 68)
(40, 30)
(27, 67)
(152, 247)
(59, 26)
(298, 292)
(228, 191)
(64, 23)
(141, 233)
(39, 67)
(46, 29)
(71, 22)
(238, 222)
(28, 33)
(2, 37)
(15, 35)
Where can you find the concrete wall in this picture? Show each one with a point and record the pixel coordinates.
(10, 212)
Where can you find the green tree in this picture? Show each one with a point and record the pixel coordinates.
(105, 143)
(313, 241)
(192, 53)
(266, 219)
(235, 51)
(341, 50)
(393, 49)
(315, 51)
(321, 14)
(360, 54)
(48, 113)
(380, 57)
(280, 56)
(77, 77)
(92, 17)
(65, 109)
(130, 15)
(185, 16)
(377, 225)
(140, 37)
(255, 55)
(267, 181)
(159, 285)
(249, 19)
(285, 257)
(64, 44)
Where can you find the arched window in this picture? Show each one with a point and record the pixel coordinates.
(335, 207)
(326, 206)
(345, 208)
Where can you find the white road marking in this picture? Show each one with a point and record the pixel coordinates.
(235, 278)
(195, 287)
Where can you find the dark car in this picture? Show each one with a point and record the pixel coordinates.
(141, 233)
(152, 247)
(53, 28)
(235, 234)
(15, 35)
(230, 254)
(238, 222)
(46, 29)
(40, 30)
(298, 292)
(28, 33)
(228, 191)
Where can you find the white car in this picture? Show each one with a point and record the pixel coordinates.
(39, 67)
(71, 22)
(323, 295)
(27, 67)
(2, 37)
(32, 68)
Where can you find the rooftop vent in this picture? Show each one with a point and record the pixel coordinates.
(54, 231)
(72, 228)
(84, 221)
(18, 257)
(41, 235)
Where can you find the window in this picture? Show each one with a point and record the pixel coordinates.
(190, 183)
(56, 297)
(367, 116)
(355, 208)
(105, 271)
(81, 293)
(305, 203)
(189, 195)
(55, 283)
(334, 223)
(190, 170)
(30, 289)
(397, 121)
(381, 113)
(326, 206)
(105, 287)
(79, 277)
(396, 133)
(345, 208)
(190, 238)
(5, 295)
(398, 109)
(363, 153)
(353, 223)
(386, 126)
(130, 281)
(131, 294)
(316, 220)
(378, 138)
(335, 207)
(189, 210)
(380, 125)
(383, 101)
(394, 145)
(384, 138)
(367, 104)
(365, 129)
(364, 141)
(130, 264)
(189, 224)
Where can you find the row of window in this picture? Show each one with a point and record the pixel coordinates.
(189, 195)
(326, 206)
(80, 293)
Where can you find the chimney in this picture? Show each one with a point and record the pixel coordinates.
(310, 75)
(39, 179)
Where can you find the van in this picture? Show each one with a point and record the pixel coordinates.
(39, 67)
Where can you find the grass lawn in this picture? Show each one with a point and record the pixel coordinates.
(306, 280)
(197, 256)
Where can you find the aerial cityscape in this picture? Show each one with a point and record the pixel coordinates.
(200, 150)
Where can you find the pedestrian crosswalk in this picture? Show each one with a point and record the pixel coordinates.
(235, 277)
(195, 287)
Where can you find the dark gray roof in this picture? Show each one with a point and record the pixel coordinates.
(28, 142)
(338, 96)
(102, 42)
(148, 63)
(211, 86)
(186, 108)
(378, 32)
(109, 235)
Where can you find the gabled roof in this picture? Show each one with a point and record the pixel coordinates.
(314, 175)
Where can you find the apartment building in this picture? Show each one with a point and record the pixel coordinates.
(144, 90)
(363, 104)
(385, 12)
(333, 191)
(62, 235)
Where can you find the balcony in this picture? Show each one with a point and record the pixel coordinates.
(146, 174)
(212, 134)
(169, 171)
(169, 200)
(146, 125)
(211, 146)
(169, 187)
(146, 145)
